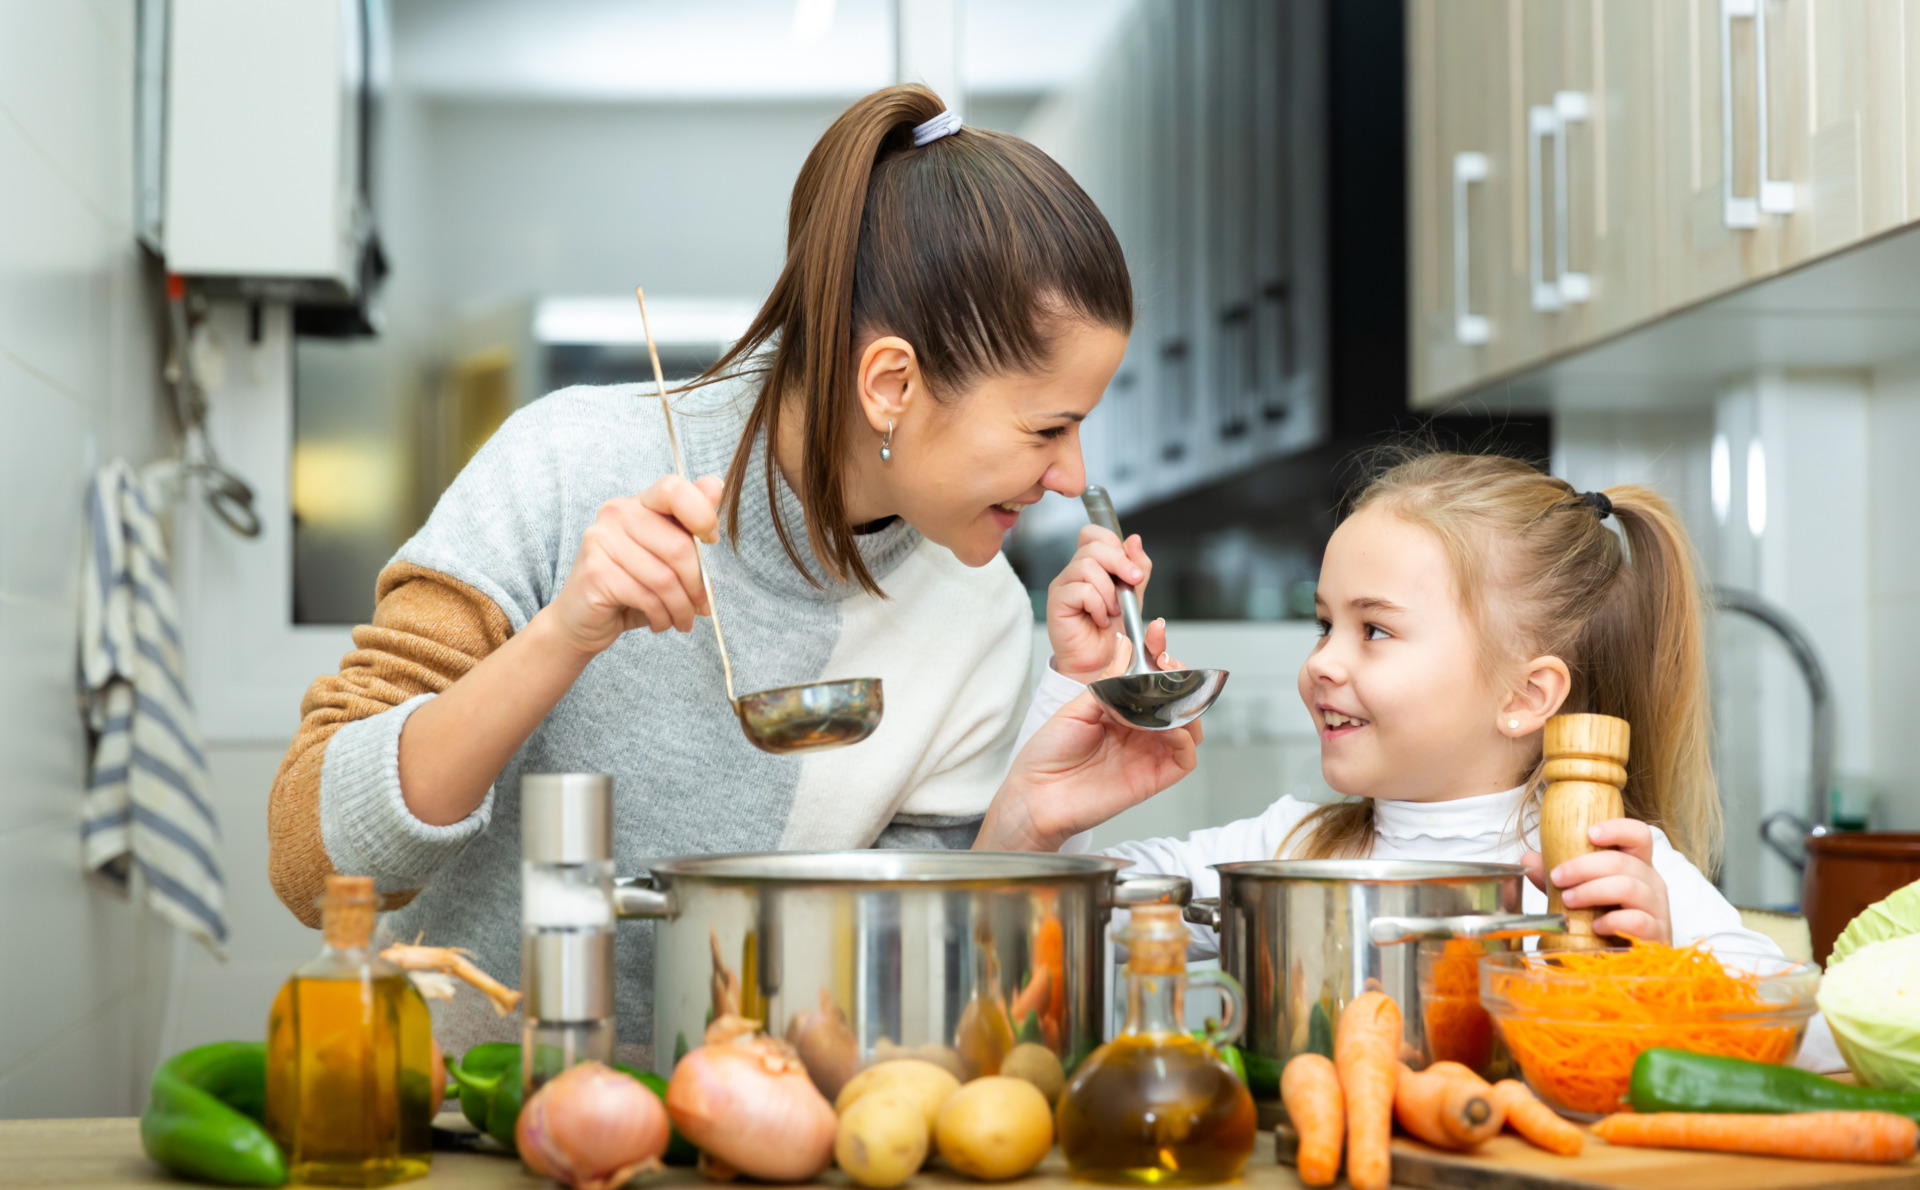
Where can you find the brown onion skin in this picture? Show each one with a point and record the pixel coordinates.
(587, 1128)
(734, 1099)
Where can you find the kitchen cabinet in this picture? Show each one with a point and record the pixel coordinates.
(1200, 135)
(1581, 167)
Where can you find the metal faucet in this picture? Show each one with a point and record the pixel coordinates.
(1820, 697)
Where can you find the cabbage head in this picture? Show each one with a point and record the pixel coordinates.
(1871, 998)
(1897, 915)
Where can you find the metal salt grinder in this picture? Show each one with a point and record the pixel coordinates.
(566, 921)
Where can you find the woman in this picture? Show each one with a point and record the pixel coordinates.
(951, 308)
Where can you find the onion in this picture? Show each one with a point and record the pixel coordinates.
(750, 1106)
(591, 1127)
(824, 1038)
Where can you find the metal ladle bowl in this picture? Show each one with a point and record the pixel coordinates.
(1145, 697)
(805, 718)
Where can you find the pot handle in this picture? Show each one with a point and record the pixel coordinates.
(1149, 888)
(1391, 931)
(1204, 911)
(636, 897)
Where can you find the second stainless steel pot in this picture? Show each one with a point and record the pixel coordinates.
(857, 954)
(1305, 937)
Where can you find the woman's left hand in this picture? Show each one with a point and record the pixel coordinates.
(1080, 769)
(1621, 876)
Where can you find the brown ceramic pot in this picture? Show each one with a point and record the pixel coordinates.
(1850, 870)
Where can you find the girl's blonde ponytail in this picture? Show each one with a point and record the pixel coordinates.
(1541, 572)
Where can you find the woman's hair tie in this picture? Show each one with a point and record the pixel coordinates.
(945, 124)
(1598, 502)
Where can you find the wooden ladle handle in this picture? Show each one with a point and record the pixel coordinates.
(1586, 767)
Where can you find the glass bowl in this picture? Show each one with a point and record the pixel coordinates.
(1575, 1029)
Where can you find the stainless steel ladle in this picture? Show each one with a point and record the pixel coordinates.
(784, 719)
(1145, 697)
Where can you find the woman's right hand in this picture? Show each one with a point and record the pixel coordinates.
(636, 566)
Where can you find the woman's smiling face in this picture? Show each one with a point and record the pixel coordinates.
(963, 468)
(1395, 685)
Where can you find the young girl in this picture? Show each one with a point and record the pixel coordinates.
(1465, 601)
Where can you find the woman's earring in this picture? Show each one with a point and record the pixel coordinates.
(886, 445)
(1513, 725)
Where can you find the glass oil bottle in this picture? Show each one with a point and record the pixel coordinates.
(349, 1057)
(1157, 1106)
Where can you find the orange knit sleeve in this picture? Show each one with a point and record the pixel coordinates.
(428, 629)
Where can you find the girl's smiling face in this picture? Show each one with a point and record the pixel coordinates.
(1396, 686)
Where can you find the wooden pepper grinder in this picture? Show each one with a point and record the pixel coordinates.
(1586, 767)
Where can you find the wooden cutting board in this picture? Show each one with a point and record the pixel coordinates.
(1508, 1163)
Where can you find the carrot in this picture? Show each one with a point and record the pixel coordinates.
(1535, 1120)
(1310, 1089)
(1446, 1105)
(1366, 1050)
(1869, 1136)
(1034, 997)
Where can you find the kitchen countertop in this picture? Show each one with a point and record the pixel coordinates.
(105, 1155)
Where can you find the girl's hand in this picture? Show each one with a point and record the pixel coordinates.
(1083, 604)
(636, 566)
(1080, 769)
(1622, 877)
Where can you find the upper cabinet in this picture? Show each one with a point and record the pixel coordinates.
(1200, 135)
(1579, 167)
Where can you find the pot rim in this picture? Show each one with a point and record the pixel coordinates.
(1368, 871)
(881, 867)
(1882, 845)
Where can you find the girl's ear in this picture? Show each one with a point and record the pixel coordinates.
(887, 381)
(1542, 690)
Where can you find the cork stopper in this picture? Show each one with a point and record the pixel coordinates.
(346, 912)
(1156, 938)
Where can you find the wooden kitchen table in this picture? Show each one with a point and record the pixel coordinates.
(105, 1154)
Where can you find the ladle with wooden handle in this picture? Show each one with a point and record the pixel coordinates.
(803, 718)
(1586, 768)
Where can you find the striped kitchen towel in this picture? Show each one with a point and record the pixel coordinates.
(146, 807)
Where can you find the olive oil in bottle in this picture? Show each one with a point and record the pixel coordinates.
(349, 1055)
(1156, 1106)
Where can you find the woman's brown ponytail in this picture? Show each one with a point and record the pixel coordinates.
(971, 248)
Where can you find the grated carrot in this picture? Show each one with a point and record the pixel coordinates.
(1577, 1032)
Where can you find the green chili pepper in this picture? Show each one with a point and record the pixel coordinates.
(1030, 1032)
(1675, 1080)
(206, 1116)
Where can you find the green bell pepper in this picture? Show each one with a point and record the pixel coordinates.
(680, 1150)
(206, 1116)
(1675, 1080)
(491, 1094)
(1236, 1061)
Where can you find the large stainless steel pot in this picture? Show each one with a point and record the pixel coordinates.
(1305, 937)
(855, 954)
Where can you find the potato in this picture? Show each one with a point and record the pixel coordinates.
(882, 1139)
(911, 1078)
(995, 1128)
(1039, 1066)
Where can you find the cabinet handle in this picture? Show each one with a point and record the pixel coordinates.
(1468, 327)
(1569, 107)
(1775, 197)
(1542, 121)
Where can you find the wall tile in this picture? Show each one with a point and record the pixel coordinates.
(80, 1070)
(67, 82)
(1895, 483)
(1896, 700)
(79, 939)
(43, 483)
(52, 252)
(41, 733)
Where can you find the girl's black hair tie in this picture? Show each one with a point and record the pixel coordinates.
(1598, 502)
